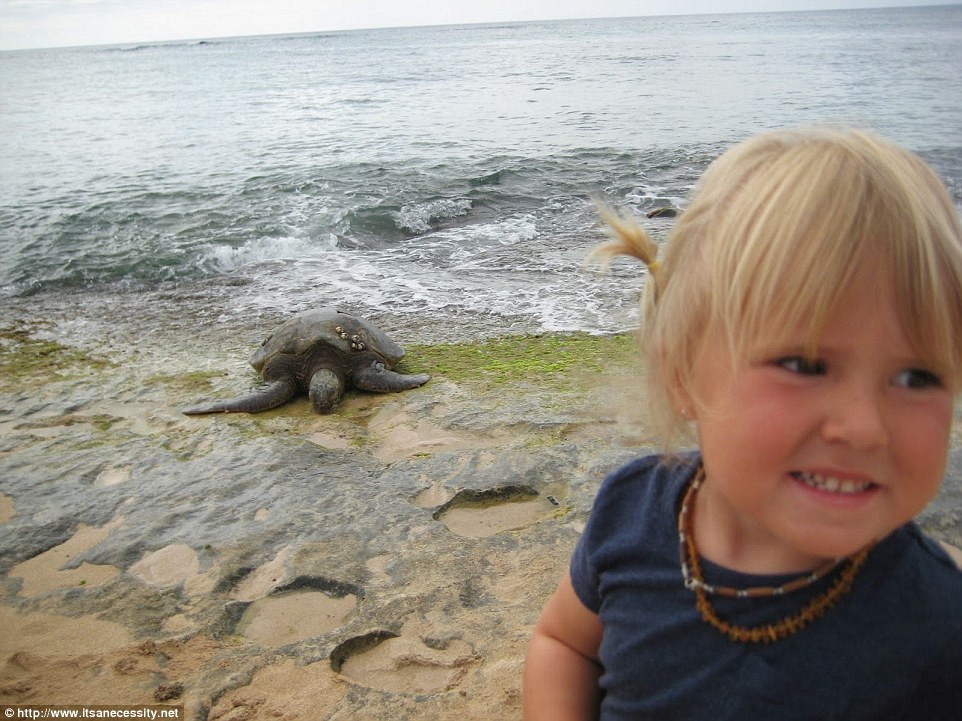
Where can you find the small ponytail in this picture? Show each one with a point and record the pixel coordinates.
(627, 238)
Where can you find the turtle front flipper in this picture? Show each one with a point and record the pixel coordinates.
(268, 396)
(379, 379)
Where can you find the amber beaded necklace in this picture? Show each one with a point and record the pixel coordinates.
(694, 581)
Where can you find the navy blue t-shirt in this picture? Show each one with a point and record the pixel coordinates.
(891, 648)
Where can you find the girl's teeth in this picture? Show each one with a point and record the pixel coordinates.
(831, 484)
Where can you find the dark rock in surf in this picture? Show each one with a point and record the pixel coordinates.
(667, 212)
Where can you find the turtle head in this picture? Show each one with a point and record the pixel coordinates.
(326, 389)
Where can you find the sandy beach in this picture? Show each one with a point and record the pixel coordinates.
(386, 561)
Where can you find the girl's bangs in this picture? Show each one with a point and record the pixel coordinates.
(838, 216)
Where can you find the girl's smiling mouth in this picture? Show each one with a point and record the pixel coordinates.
(832, 484)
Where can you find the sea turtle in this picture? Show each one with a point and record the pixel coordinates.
(320, 352)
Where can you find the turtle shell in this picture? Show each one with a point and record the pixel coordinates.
(347, 333)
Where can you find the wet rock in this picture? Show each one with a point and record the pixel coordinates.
(225, 541)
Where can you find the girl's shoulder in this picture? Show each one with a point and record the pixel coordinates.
(649, 487)
(913, 575)
(655, 473)
(932, 558)
(631, 528)
(917, 588)
(648, 480)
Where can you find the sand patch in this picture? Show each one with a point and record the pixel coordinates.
(168, 566)
(173, 566)
(295, 616)
(283, 691)
(142, 418)
(45, 572)
(485, 522)
(103, 665)
(399, 436)
(408, 665)
(377, 568)
(179, 624)
(328, 440)
(513, 579)
(480, 514)
(112, 476)
(54, 636)
(436, 495)
(263, 579)
(6, 508)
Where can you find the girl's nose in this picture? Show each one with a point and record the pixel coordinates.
(856, 417)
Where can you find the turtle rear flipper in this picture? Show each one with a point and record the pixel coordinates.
(268, 396)
(377, 378)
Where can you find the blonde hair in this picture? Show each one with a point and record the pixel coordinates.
(775, 231)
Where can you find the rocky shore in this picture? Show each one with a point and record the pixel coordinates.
(387, 561)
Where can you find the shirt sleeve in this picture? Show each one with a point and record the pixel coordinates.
(584, 577)
(618, 497)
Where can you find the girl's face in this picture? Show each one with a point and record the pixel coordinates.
(808, 459)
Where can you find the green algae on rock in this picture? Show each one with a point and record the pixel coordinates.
(25, 355)
(547, 358)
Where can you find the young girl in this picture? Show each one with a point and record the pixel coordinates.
(805, 323)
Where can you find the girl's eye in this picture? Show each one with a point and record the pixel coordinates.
(917, 378)
(802, 366)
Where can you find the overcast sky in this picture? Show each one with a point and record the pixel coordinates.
(55, 23)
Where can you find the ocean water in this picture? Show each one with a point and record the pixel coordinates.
(440, 179)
